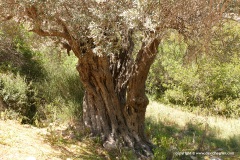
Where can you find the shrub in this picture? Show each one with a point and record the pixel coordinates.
(208, 80)
(18, 95)
(13, 90)
(16, 54)
(61, 90)
(37, 85)
(32, 66)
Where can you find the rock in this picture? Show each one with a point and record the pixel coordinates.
(219, 150)
(193, 158)
(110, 144)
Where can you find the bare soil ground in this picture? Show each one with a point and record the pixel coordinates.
(25, 142)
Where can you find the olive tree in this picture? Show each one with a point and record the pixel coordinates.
(116, 41)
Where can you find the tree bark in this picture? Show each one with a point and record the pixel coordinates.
(115, 103)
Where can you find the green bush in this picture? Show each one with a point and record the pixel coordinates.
(31, 66)
(19, 96)
(208, 80)
(13, 91)
(16, 55)
(38, 84)
(61, 89)
(58, 95)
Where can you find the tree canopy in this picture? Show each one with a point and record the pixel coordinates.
(104, 25)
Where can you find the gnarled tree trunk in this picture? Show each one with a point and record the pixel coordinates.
(115, 102)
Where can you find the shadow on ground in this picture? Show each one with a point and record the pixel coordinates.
(73, 144)
(187, 143)
(172, 143)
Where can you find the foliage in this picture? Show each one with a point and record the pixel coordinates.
(32, 67)
(37, 85)
(61, 89)
(13, 90)
(208, 80)
(18, 95)
(173, 141)
(56, 96)
(19, 70)
(169, 58)
(16, 54)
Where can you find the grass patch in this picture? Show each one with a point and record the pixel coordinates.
(62, 90)
(174, 131)
(73, 143)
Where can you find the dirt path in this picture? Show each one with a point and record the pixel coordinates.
(25, 142)
(21, 142)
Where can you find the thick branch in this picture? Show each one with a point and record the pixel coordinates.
(65, 28)
(33, 13)
(51, 33)
(145, 58)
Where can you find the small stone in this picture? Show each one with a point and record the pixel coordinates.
(215, 158)
(193, 158)
(219, 150)
(110, 145)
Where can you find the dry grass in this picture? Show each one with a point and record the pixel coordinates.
(225, 127)
(20, 142)
(23, 141)
(173, 130)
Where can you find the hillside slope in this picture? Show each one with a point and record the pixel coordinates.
(24, 141)
(224, 127)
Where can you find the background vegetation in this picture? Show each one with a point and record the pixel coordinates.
(33, 84)
(207, 81)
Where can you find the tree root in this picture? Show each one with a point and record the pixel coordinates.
(142, 150)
